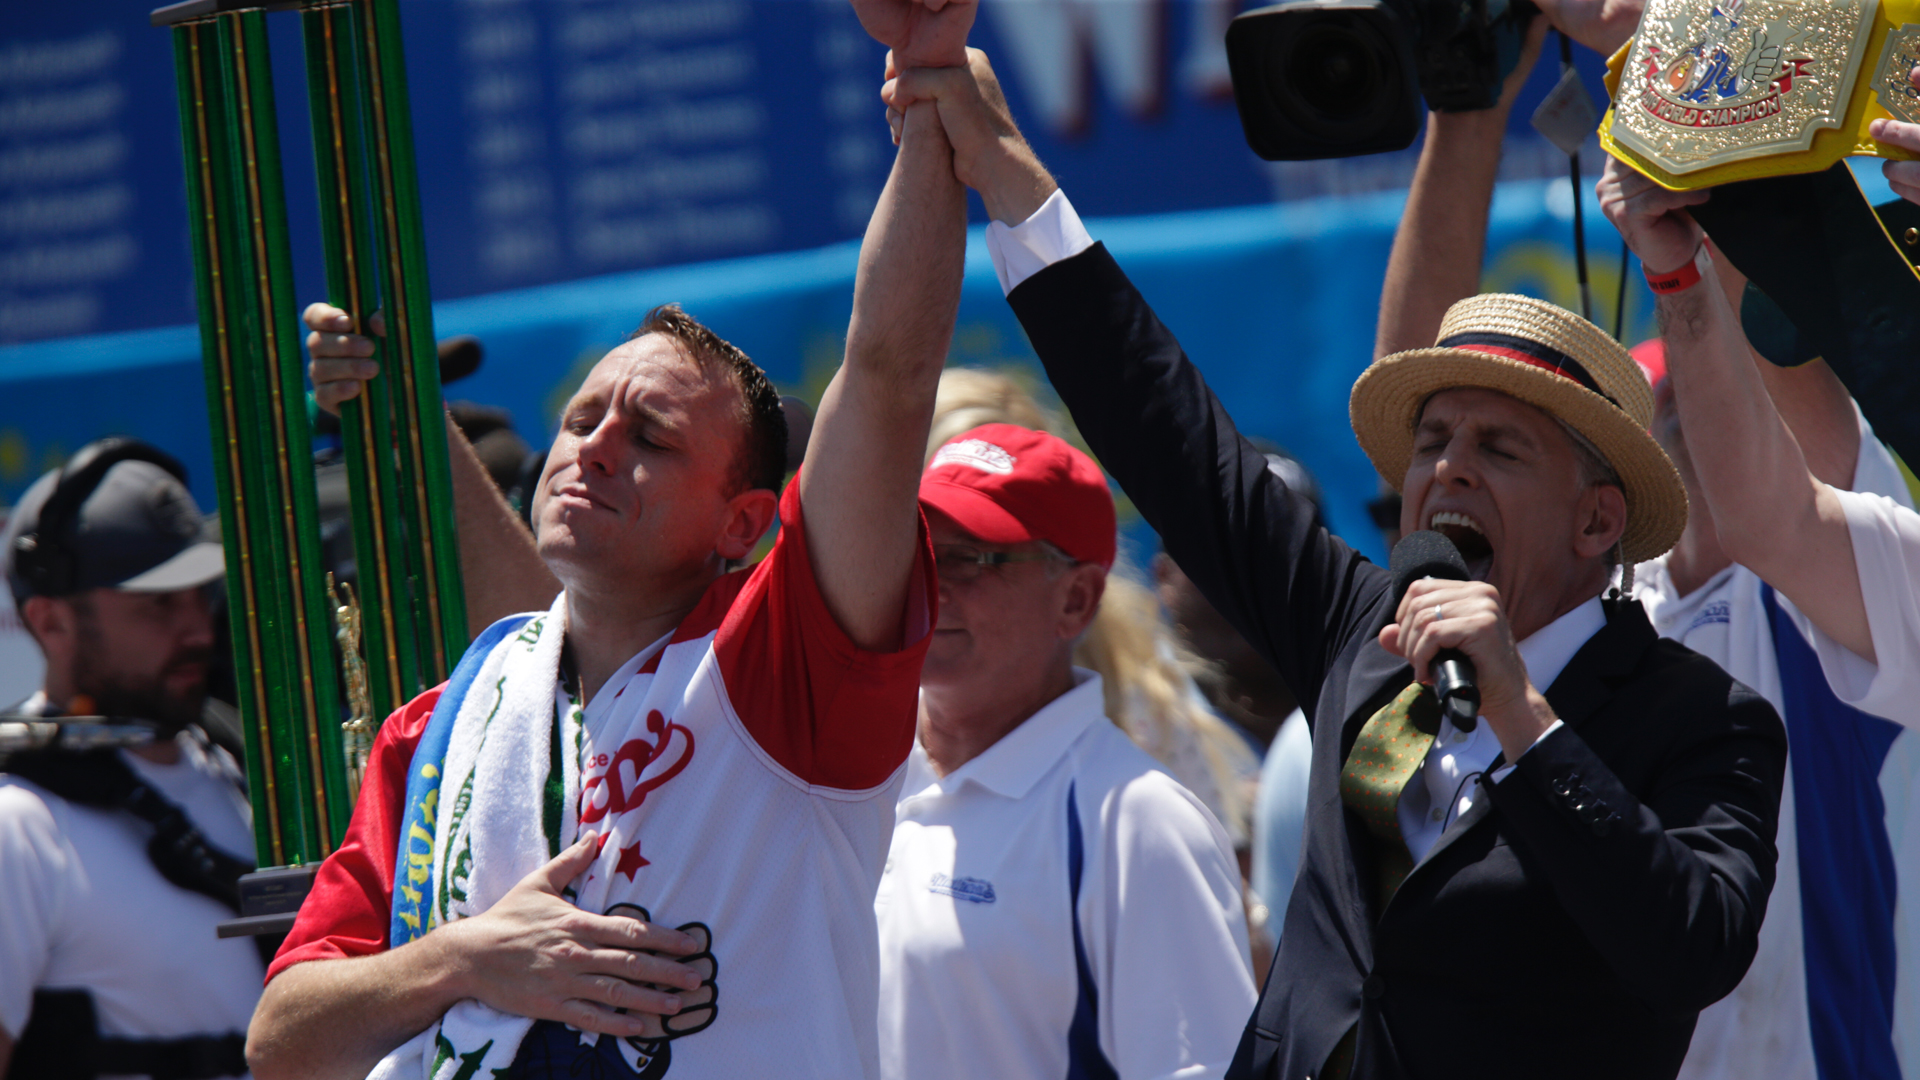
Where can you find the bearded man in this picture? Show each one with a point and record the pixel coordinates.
(1555, 889)
(109, 963)
(638, 834)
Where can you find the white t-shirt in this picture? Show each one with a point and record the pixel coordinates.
(758, 801)
(1886, 546)
(82, 907)
(981, 943)
(1814, 1003)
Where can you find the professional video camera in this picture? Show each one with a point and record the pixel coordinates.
(1338, 78)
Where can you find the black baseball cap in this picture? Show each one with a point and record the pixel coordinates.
(138, 531)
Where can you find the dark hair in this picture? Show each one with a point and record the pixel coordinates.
(762, 459)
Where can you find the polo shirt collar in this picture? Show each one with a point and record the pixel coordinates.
(1012, 766)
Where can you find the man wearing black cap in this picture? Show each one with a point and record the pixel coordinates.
(109, 962)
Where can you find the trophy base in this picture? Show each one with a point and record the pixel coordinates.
(270, 899)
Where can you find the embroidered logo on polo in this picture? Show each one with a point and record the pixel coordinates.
(1717, 612)
(971, 889)
(974, 454)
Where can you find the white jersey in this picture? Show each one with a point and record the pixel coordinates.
(758, 801)
(82, 907)
(1057, 902)
(1834, 989)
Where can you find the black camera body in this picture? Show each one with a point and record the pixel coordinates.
(1339, 78)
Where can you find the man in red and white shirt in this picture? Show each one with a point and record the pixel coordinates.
(776, 704)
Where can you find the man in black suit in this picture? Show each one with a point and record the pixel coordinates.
(1557, 891)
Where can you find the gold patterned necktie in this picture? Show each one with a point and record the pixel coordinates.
(1390, 746)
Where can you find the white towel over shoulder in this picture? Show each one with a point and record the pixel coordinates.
(489, 829)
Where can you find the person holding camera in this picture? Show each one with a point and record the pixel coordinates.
(1556, 888)
(118, 864)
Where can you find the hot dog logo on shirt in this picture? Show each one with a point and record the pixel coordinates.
(617, 783)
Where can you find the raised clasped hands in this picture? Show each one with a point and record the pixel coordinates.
(921, 33)
(1653, 221)
(1902, 176)
(535, 954)
(989, 153)
(1466, 615)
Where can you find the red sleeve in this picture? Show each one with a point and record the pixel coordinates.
(828, 711)
(351, 905)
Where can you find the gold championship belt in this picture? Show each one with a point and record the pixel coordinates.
(1714, 91)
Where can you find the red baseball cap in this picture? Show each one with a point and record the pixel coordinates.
(1651, 355)
(1010, 485)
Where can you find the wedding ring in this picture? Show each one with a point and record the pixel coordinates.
(1437, 616)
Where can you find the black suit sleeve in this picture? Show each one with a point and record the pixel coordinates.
(1253, 547)
(1670, 890)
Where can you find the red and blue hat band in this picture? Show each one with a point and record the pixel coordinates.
(1529, 352)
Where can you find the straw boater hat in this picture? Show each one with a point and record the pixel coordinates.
(1547, 357)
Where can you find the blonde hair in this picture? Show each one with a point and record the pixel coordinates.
(969, 397)
(1149, 679)
(1148, 675)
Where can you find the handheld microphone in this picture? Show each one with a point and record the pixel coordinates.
(1427, 554)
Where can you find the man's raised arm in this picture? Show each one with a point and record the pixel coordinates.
(1772, 514)
(1253, 547)
(860, 486)
(1442, 238)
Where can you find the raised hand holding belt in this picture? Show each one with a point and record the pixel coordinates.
(1820, 254)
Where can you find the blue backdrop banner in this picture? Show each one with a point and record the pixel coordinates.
(1277, 303)
(559, 141)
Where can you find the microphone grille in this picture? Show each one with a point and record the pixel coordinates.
(1424, 554)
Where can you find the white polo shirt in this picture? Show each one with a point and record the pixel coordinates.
(989, 967)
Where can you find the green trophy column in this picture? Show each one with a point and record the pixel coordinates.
(412, 621)
(347, 213)
(410, 355)
(250, 342)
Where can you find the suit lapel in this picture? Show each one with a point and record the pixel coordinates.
(1607, 658)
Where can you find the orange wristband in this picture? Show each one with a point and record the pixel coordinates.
(1673, 281)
